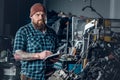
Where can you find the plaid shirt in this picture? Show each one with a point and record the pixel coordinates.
(31, 40)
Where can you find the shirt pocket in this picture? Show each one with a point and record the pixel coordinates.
(34, 43)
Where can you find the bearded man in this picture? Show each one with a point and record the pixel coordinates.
(33, 43)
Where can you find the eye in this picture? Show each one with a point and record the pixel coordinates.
(40, 14)
(37, 14)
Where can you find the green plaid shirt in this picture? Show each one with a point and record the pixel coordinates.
(31, 40)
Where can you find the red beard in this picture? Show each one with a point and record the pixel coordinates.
(40, 25)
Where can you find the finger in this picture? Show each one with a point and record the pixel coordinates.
(49, 52)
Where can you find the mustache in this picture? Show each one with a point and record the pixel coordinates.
(41, 20)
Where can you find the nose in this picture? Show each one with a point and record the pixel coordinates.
(41, 16)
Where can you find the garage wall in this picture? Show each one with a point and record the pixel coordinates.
(75, 7)
(115, 9)
(1, 16)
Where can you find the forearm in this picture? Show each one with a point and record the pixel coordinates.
(21, 55)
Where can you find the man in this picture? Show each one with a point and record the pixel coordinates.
(33, 43)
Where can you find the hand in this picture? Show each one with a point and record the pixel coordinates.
(43, 54)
